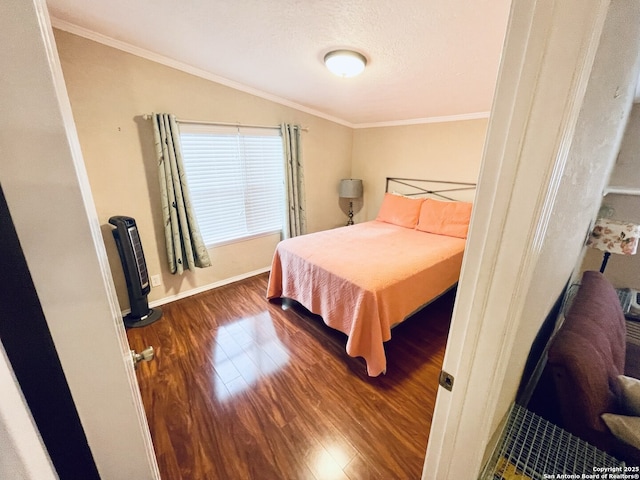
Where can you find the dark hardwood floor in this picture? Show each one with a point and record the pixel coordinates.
(242, 388)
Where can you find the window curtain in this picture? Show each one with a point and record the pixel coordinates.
(296, 216)
(185, 248)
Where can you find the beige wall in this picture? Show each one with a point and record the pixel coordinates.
(622, 270)
(434, 151)
(110, 90)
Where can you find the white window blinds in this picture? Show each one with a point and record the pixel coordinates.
(236, 180)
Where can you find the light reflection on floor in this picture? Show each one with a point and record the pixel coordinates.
(326, 467)
(244, 351)
(329, 459)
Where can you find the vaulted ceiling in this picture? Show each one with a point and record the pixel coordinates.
(426, 58)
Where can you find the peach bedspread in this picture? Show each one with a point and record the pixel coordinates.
(364, 279)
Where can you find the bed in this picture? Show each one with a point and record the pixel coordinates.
(366, 278)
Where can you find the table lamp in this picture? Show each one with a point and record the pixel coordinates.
(614, 236)
(350, 188)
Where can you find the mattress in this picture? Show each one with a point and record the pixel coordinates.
(366, 278)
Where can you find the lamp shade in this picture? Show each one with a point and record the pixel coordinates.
(350, 188)
(614, 236)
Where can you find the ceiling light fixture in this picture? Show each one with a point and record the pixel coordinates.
(345, 63)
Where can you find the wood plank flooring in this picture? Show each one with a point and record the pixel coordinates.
(242, 388)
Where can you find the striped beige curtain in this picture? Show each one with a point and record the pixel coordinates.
(185, 247)
(296, 216)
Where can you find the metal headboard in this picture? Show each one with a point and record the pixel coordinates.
(422, 187)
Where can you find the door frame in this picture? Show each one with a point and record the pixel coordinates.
(539, 95)
(49, 198)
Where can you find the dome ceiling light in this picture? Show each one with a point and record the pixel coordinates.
(345, 63)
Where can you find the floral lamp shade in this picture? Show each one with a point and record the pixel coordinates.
(614, 236)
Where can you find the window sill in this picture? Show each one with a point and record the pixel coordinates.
(243, 239)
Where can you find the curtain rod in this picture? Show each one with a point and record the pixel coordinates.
(225, 124)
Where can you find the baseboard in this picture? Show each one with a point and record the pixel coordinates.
(203, 288)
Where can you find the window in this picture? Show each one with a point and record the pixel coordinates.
(236, 180)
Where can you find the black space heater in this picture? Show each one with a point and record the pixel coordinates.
(135, 272)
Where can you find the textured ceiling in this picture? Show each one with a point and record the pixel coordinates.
(426, 58)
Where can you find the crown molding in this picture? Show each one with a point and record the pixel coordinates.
(183, 67)
(169, 62)
(419, 121)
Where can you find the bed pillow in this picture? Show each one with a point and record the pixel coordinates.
(629, 395)
(624, 428)
(445, 218)
(399, 210)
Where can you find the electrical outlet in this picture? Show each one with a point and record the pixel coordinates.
(156, 280)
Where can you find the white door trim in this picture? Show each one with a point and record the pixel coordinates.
(49, 197)
(538, 99)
